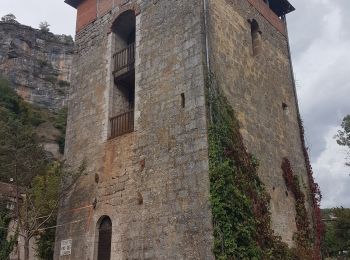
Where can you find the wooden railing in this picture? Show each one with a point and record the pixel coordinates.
(124, 59)
(121, 124)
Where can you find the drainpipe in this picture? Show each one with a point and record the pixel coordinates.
(206, 32)
(207, 54)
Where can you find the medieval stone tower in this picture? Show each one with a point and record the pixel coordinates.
(138, 116)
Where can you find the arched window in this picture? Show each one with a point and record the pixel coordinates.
(256, 37)
(104, 239)
(122, 110)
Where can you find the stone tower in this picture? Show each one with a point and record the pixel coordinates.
(138, 116)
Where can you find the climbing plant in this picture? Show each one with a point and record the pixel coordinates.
(240, 203)
(316, 196)
(303, 236)
(6, 243)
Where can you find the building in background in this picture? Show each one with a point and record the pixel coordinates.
(8, 199)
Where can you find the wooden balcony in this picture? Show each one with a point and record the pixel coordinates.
(121, 124)
(124, 61)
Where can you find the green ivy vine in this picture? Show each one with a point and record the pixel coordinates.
(240, 203)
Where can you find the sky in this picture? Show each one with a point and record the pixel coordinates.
(320, 42)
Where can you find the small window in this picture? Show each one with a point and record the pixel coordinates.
(183, 101)
(285, 108)
(104, 239)
(256, 37)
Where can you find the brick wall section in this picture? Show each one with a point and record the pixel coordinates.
(90, 10)
(87, 13)
(269, 15)
(256, 86)
(104, 6)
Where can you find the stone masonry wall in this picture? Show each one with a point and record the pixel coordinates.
(152, 183)
(256, 87)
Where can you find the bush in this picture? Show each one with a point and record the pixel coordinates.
(9, 18)
(44, 26)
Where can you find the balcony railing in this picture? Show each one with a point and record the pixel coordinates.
(121, 124)
(124, 60)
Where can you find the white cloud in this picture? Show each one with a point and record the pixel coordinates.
(332, 174)
(321, 60)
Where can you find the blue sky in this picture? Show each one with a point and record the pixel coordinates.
(320, 41)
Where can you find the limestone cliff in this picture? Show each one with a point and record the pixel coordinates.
(37, 63)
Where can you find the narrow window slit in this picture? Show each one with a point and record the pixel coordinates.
(256, 37)
(183, 100)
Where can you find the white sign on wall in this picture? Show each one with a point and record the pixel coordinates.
(66, 247)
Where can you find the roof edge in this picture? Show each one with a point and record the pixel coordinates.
(73, 3)
(281, 7)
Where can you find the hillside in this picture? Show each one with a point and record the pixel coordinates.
(48, 127)
(37, 63)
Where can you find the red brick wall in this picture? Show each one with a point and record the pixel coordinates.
(265, 11)
(103, 6)
(87, 13)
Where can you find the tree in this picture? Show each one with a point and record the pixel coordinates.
(39, 211)
(9, 18)
(343, 136)
(337, 236)
(21, 157)
(44, 181)
(6, 245)
(44, 26)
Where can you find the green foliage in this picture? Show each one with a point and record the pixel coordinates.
(240, 204)
(303, 237)
(12, 107)
(44, 26)
(60, 122)
(45, 189)
(45, 194)
(23, 159)
(337, 237)
(6, 245)
(45, 244)
(343, 136)
(9, 18)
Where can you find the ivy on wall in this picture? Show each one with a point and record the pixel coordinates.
(316, 197)
(240, 203)
(303, 237)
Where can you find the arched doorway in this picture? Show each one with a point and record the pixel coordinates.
(104, 239)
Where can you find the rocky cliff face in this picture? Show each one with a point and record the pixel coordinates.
(37, 63)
